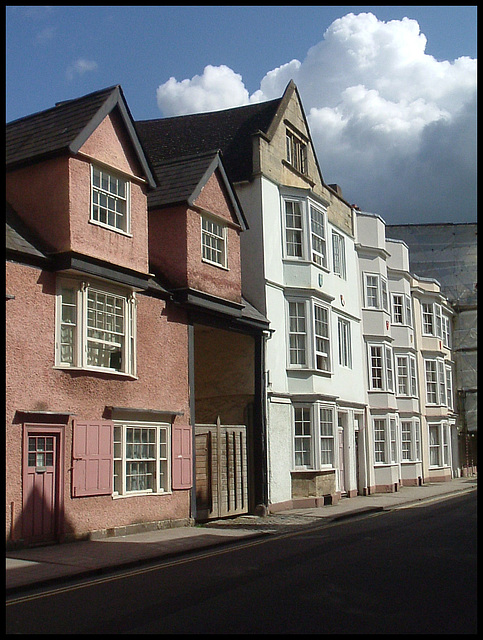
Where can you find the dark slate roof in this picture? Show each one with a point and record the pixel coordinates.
(180, 180)
(229, 130)
(20, 239)
(65, 128)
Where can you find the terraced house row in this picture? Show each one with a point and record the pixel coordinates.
(199, 326)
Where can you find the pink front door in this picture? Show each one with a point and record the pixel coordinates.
(41, 485)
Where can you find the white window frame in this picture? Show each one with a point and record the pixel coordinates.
(406, 382)
(309, 337)
(435, 377)
(431, 319)
(410, 440)
(321, 340)
(345, 342)
(446, 330)
(108, 201)
(382, 363)
(214, 249)
(449, 387)
(303, 437)
(439, 444)
(88, 328)
(386, 438)
(376, 291)
(338, 255)
(314, 426)
(304, 230)
(401, 309)
(128, 454)
(297, 334)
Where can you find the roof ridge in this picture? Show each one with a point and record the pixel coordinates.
(210, 113)
(63, 103)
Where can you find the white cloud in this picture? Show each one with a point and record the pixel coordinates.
(218, 88)
(79, 67)
(391, 124)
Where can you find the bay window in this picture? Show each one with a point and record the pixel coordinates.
(314, 424)
(439, 444)
(436, 381)
(95, 327)
(376, 293)
(401, 309)
(303, 437)
(406, 375)
(309, 342)
(380, 368)
(305, 232)
(432, 319)
(385, 431)
(410, 440)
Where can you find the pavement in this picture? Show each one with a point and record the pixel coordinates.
(47, 566)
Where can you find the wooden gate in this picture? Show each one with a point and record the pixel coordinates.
(221, 470)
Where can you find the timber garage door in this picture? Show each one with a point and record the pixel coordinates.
(221, 470)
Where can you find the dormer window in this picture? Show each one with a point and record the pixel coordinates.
(213, 242)
(296, 152)
(109, 200)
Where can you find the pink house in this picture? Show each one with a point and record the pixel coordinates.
(123, 282)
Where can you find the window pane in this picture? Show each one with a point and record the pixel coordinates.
(380, 440)
(302, 440)
(318, 236)
(109, 199)
(297, 333)
(293, 226)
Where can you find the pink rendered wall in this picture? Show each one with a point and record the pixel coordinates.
(90, 239)
(175, 245)
(33, 384)
(40, 195)
(53, 197)
(167, 244)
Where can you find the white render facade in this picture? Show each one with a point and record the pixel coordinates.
(409, 371)
(433, 321)
(301, 240)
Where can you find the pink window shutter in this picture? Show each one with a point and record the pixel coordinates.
(182, 457)
(92, 452)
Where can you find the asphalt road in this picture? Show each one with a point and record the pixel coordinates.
(412, 570)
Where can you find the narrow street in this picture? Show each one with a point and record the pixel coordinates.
(412, 570)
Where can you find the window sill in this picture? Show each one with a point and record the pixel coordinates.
(309, 263)
(91, 370)
(141, 494)
(321, 471)
(324, 374)
(215, 264)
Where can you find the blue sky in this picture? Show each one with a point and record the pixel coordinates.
(389, 92)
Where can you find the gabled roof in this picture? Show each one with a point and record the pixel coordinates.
(180, 180)
(66, 127)
(230, 130)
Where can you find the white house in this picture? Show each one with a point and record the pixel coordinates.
(299, 266)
